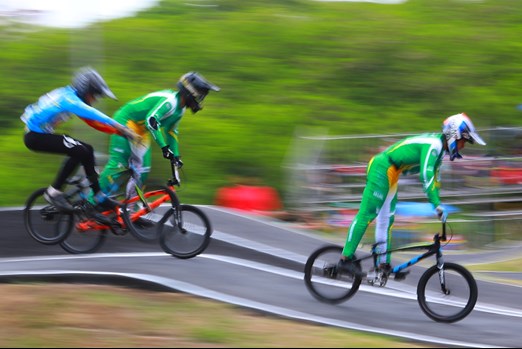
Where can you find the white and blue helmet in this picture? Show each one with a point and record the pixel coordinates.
(456, 127)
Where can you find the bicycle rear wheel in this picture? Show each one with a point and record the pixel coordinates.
(142, 223)
(44, 222)
(323, 280)
(185, 233)
(456, 301)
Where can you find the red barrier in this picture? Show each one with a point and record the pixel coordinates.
(508, 175)
(250, 198)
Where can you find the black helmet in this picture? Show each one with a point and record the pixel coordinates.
(194, 88)
(87, 80)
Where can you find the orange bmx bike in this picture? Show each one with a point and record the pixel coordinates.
(155, 214)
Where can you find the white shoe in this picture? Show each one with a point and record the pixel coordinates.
(56, 198)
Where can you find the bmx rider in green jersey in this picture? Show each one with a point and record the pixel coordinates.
(155, 117)
(422, 155)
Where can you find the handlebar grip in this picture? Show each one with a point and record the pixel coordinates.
(443, 237)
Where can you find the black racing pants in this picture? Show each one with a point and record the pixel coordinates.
(76, 151)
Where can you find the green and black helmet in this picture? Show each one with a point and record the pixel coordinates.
(194, 88)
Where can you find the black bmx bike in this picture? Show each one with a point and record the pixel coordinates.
(183, 231)
(446, 292)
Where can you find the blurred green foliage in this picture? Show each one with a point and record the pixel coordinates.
(349, 68)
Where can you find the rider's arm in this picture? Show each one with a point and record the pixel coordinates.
(101, 126)
(429, 172)
(154, 127)
(162, 111)
(172, 140)
(92, 116)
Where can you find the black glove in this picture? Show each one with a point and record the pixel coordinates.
(177, 162)
(167, 153)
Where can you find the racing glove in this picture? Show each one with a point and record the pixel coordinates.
(167, 153)
(441, 213)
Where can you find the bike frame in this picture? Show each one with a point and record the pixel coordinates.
(141, 196)
(148, 206)
(434, 248)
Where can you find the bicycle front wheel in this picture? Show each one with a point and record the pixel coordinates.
(142, 214)
(323, 280)
(447, 295)
(44, 222)
(185, 233)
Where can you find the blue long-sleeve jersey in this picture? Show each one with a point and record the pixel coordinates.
(58, 106)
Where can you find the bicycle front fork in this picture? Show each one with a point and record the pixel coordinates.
(442, 278)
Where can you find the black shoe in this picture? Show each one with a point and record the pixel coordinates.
(107, 204)
(59, 201)
(91, 212)
(348, 266)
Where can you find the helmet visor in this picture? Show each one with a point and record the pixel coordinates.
(472, 137)
(105, 92)
(475, 138)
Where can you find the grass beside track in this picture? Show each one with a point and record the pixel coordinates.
(75, 316)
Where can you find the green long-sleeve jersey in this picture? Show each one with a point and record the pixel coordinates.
(420, 154)
(158, 114)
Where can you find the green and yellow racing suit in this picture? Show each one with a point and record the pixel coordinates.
(420, 154)
(154, 116)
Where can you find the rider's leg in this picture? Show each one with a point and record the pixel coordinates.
(386, 217)
(140, 161)
(69, 166)
(113, 175)
(374, 194)
(123, 155)
(57, 144)
(84, 153)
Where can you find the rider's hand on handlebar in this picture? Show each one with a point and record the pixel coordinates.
(441, 213)
(177, 162)
(167, 153)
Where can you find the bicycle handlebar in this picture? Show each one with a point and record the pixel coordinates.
(443, 237)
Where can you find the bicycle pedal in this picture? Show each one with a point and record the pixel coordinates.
(377, 278)
(401, 275)
(116, 228)
(118, 232)
(101, 219)
(330, 271)
(114, 223)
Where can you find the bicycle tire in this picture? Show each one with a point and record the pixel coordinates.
(455, 305)
(84, 242)
(323, 280)
(185, 235)
(44, 222)
(145, 227)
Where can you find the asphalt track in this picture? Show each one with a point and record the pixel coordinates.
(258, 263)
